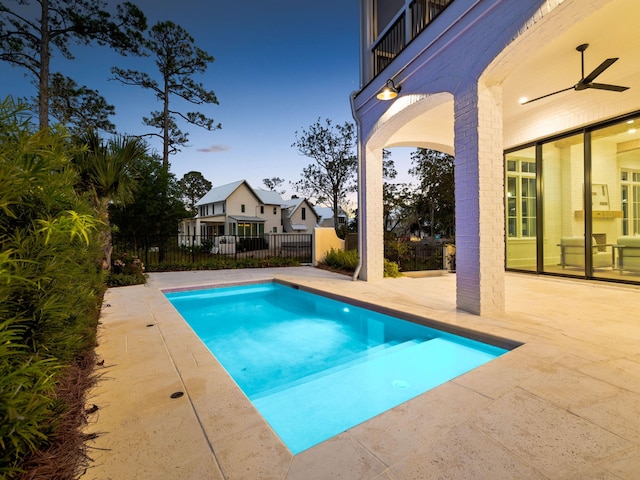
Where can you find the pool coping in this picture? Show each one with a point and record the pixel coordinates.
(214, 432)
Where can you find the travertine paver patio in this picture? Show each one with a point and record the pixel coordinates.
(565, 405)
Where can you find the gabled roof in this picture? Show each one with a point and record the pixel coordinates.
(326, 212)
(221, 193)
(269, 197)
(293, 204)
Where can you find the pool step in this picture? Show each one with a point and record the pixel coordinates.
(345, 362)
(351, 395)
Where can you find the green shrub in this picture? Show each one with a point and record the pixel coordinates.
(391, 269)
(346, 260)
(126, 269)
(26, 400)
(127, 264)
(50, 282)
(123, 280)
(224, 263)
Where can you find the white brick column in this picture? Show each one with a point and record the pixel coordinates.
(370, 216)
(479, 180)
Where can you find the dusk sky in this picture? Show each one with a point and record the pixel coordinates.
(279, 66)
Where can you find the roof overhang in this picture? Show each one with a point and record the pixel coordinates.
(247, 219)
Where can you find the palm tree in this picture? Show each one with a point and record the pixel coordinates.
(106, 177)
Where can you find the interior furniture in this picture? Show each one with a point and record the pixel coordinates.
(628, 250)
(572, 253)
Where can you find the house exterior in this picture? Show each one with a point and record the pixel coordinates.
(549, 186)
(325, 217)
(298, 216)
(235, 209)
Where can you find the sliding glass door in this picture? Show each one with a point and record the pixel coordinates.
(572, 204)
(563, 206)
(615, 201)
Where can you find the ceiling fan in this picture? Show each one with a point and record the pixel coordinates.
(587, 82)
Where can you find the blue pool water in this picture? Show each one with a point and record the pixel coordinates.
(315, 367)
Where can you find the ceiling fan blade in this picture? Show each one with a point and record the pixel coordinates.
(547, 95)
(605, 86)
(601, 68)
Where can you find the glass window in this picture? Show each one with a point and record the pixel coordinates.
(242, 208)
(630, 202)
(520, 208)
(304, 213)
(250, 229)
(521, 195)
(262, 209)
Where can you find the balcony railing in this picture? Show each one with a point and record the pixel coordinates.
(390, 45)
(420, 14)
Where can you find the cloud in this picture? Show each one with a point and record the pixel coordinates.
(214, 148)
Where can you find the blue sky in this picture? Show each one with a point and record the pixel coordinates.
(279, 66)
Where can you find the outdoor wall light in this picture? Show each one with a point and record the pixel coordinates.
(389, 92)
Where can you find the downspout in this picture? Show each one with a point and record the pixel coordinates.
(356, 273)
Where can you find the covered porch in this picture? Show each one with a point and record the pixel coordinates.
(463, 92)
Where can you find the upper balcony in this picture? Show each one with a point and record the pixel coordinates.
(398, 22)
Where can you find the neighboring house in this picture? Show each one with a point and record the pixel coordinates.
(298, 216)
(532, 178)
(237, 209)
(272, 202)
(325, 215)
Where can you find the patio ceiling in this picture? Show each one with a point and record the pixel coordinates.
(542, 67)
(545, 60)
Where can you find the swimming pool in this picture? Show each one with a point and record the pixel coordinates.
(315, 367)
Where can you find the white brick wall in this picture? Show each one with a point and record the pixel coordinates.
(371, 217)
(479, 201)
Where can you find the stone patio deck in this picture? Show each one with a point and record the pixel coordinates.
(565, 405)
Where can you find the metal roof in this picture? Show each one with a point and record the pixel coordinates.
(219, 194)
(247, 219)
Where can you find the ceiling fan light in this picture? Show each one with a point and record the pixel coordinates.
(587, 82)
